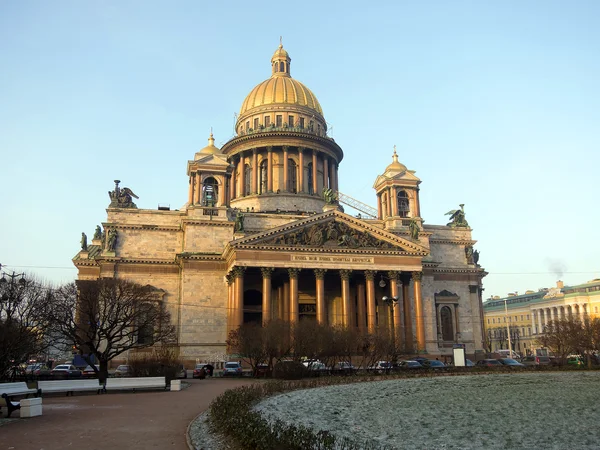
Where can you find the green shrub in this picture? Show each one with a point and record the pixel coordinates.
(289, 370)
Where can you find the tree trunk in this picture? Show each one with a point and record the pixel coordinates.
(103, 375)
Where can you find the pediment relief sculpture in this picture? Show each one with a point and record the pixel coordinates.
(330, 234)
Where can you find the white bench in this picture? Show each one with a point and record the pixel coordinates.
(70, 386)
(116, 384)
(9, 390)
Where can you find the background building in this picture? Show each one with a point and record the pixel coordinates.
(527, 314)
(263, 236)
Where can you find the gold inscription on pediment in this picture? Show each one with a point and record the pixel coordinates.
(335, 259)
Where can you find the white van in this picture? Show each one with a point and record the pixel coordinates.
(507, 354)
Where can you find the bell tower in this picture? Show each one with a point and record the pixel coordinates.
(397, 195)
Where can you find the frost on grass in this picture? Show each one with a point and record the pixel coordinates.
(505, 411)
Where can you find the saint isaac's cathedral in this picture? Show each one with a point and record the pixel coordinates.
(263, 236)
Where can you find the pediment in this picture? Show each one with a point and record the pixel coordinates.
(332, 230)
(213, 160)
(406, 176)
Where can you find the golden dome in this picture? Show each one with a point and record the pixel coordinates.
(395, 166)
(210, 149)
(281, 89)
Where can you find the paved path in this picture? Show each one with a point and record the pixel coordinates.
(115, 421)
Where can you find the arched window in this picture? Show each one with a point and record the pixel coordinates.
(310, 178)
(446, 320)
(292, 175)
(210, 192)
(403, 208)
(281, 66)
(247, 179)
(263, 176)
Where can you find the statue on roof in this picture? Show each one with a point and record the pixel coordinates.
(413, 228)
(97, 233)
(239, 222)
(121, 197)
(111, 242)
(83, 241)
(457, 218)
(476, 257)
(330, 196)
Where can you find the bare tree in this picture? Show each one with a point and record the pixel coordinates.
(107, 317)
(23, 321)
(562, 337)
(247, 341)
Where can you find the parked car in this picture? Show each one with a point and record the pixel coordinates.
(536, 361)
(65, 371)
(314, 365)
(381, 366)
(511, 363)
(408, 365)
(469, 363)
(37, 370)
(200, 371)
(181, 371)
(89, 372)
(575, 360)
(123, 371)
(488, 363)
(433, 364)
(232, 369)
(344, 368)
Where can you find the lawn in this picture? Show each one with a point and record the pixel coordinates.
(556, 410)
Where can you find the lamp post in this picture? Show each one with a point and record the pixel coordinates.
(12, 277)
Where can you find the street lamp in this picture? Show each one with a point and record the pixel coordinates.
(507, 320)
(391, 301)
(12, 277)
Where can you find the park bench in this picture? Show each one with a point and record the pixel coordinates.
(115, 384)
(19, 389)
(69, 386)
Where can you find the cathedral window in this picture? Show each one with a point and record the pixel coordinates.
(263, 176)
(267, 121)
(291, 120)
(446, 321)
(210, 190)
(247, 179)
(403, 208)
(247, 125)
(279, 120)
(310, 178)
(281, 67)
(256, 124)
(292, 177)
(311, 125)
(301, 122)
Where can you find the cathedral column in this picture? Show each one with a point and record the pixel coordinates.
(285, 169)
(266, 294)
(286, 301)
(360, 309)
(533, 327)
(397, 311)
(408, 333)
(191, 191)
(334, 176)
(242, 166)
(417, 277)
(418, 204)
(238, 313)
(221, 193)
(254, 171)
(345, 276)
(280, 302)
(379, 216)
(294, 315)
(325, 171)
(394, 201)
(300, 187)
(314, 173)
(320, 295)
(198, 190)
(270, 169)
(230, 293)
(389, 203)
(371, 315)
(232, 181)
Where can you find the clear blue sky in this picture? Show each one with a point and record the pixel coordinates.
(494, 104)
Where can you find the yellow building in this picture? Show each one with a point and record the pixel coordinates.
(263, 236)
(527, 314)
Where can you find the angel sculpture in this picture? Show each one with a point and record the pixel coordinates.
(413, 228)
(330, 196)
(121, 198)
(457, 217)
